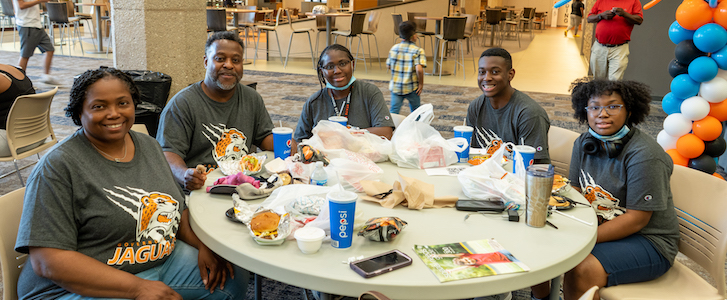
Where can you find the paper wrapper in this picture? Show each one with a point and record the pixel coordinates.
(284, 229)
(382, 229)
(409, 192)
(233, 166)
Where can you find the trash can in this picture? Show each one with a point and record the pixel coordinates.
(154, 89)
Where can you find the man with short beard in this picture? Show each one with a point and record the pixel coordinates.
(217, 119)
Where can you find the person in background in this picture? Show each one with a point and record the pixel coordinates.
(504, 114)
(32, 35)
(615, 20)
(624, 174)
(406, 62)
(217, 119)
(103, 216)
(13, 83)
(359, 101)
(576, 16)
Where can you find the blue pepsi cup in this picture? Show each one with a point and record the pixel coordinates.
(528, 154)
(338, 119)
(282, 139)
(342, 208)
(466, 133)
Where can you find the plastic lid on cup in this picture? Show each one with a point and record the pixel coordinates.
(463, 128)
(309, 234)
(282, 130)
(343, 197)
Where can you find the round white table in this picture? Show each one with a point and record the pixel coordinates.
(547, 251)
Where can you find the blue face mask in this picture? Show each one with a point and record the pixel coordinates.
(330, 86)
(616, 136)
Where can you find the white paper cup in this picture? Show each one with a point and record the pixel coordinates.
(309, 239)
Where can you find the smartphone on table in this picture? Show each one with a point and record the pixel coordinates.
(491, 204)
(381, 263)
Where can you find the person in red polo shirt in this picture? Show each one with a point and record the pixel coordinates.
(614, 21)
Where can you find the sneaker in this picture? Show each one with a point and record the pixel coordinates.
(565, 33)
(503, 296)
(575, 35)
(49, 80)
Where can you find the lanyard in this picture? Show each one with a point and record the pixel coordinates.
(344, 105)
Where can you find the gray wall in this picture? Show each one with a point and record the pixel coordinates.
(651, 49)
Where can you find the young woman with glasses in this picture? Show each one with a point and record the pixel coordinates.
(624, 174)
(342, 95)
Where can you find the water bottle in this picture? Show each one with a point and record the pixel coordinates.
(319, 176)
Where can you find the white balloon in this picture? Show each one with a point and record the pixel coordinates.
(695, 108)
(714, 90)
(722, 74)
(677, 125)
(666, 141)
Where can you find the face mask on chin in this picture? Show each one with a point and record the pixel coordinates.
(330, 86)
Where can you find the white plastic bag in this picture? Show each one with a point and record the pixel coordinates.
(352, 170)
(328, 137)
(417, 144)
(490, 179)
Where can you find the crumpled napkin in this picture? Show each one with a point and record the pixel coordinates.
(410, 192)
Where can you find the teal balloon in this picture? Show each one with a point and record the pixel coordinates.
(677, 33)
(684, 87)
(671, 104)
(703, 69)
(721, 58)
(710, 37)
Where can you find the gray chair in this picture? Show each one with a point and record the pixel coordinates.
(452, 31)
(217, 20)
(469, 33)
(357, 25)
(294, 31)
(526, 20)
(321, 28)
(397, 21)
(58, 14)
(7, 16)
(370, 31)
(511, 26)
(268, 29)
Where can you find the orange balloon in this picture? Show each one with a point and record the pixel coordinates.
(707, 129)
(718, 110)
(720, 14)
(677, 158)
(718, 176)
(690, 146)
(651, 4)
(692, 14)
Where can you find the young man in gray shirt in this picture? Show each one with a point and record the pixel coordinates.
(504, 114)
(217, 119)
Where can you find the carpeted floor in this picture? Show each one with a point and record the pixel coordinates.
(284, 95)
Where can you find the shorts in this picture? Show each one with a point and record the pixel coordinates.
(631, 259)
(31, 37)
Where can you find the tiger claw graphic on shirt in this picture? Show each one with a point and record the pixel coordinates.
(604, 203)
(488, 139)
(157, 218)
(229, 144)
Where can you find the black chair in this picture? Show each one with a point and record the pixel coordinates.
(452, 31)
(422, 28)
(58, 14)
(493, 19)
(216, 20)
(321, 27)
(397, 21)
(357, 27)
(527, 19)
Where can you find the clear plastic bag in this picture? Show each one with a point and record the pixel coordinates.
(490, 179)
(331, 137)
(418, 145)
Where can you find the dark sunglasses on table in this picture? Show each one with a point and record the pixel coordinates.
(610, 109)
(340, 65)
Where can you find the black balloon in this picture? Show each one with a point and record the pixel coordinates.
(675, 68)
(686, 52)
(715, 148)
(704, 163)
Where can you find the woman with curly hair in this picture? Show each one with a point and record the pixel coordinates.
(103, 216)
(624, 174)
(342, 95)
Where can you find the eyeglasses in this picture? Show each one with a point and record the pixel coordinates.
(612, 109)
(341, 64)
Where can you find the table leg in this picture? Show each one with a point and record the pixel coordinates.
(99, 33)
(555, 288)
(328, 31)
(258, 287)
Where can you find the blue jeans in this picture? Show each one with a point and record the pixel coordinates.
(180, 272)
(397, 100)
